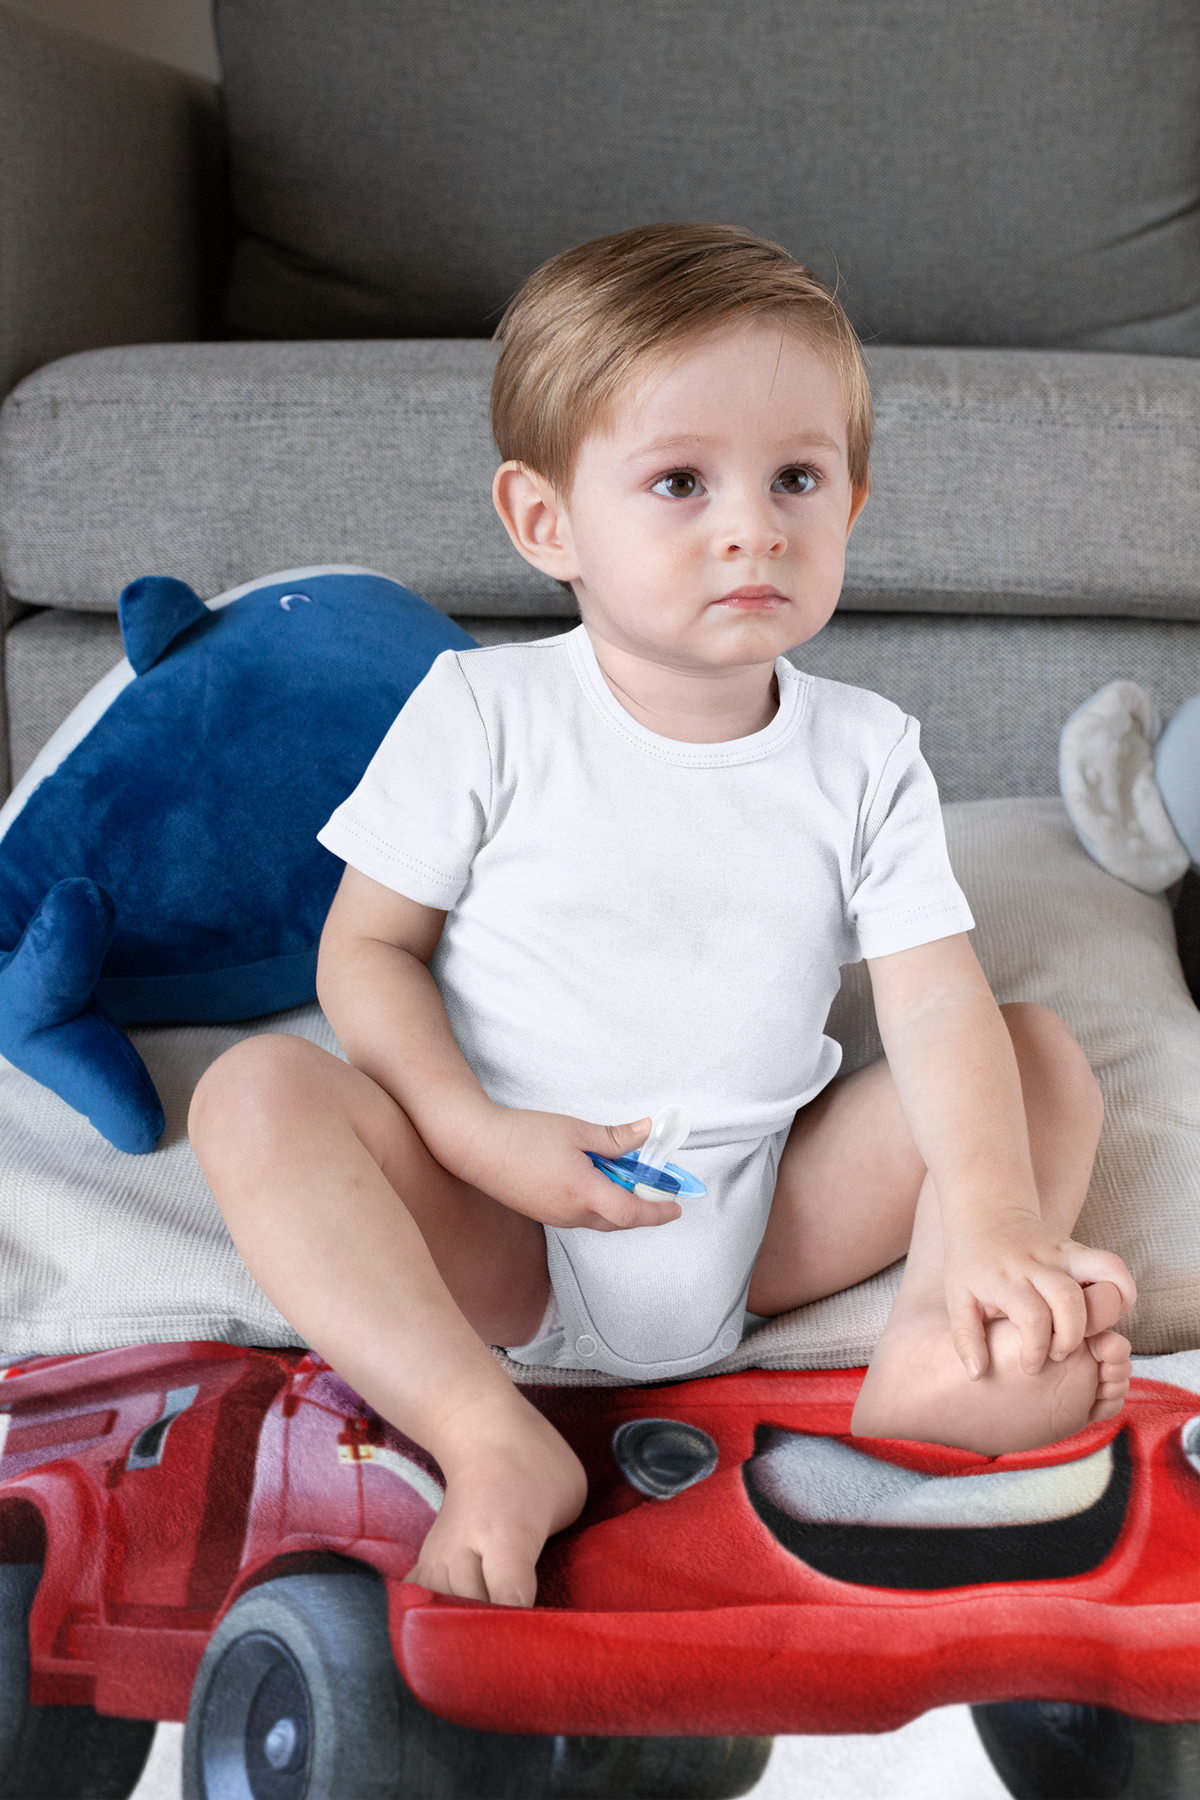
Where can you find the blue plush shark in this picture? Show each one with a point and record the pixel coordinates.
(159, 860)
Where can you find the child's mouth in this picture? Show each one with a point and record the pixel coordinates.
(754, 599)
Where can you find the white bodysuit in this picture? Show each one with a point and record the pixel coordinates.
(633, 921)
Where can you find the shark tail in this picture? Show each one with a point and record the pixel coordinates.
(53, 1028)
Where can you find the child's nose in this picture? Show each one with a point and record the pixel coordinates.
(749, 540)
(751, 527)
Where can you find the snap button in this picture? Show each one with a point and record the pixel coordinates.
(585, 1345)
(729, 1339)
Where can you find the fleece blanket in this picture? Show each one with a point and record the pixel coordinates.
(743, 1567)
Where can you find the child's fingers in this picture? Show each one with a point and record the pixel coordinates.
(1087, 1265)
(617, 1206)
(624, 1210)
(615, 1140)
(967, 1335)
(1068, 1312)
(1035, 1324)
(1104, 1306)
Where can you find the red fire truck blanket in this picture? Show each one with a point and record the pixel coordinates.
(743, 1567)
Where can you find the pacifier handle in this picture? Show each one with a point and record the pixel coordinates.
(668, 1131)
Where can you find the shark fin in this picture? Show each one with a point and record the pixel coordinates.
(153, 612)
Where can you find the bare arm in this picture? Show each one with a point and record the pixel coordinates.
(374, 984)
(956, 1076)
(378, 994)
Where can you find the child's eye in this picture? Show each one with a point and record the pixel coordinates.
(794, 481)
(680, 484)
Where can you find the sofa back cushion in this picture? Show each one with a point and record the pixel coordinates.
(1003, 482)
(999, 173)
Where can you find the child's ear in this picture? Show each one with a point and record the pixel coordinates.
(858, 499)
(535, 519)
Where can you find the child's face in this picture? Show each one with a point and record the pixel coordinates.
(707, 527)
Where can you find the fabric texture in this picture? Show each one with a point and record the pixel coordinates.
(111, 197)
(159, 859)
(1000, 173)
(102, 1249)
(592, 869)
(216, 461)
(991, 694)
(995, 474)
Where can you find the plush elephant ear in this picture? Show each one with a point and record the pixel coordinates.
(1106, 772)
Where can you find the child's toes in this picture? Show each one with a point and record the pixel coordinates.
(1113, 1373)
(1111, 1351)
(511, 1579)
(449, 1566)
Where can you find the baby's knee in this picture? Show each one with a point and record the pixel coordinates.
(250, 1089)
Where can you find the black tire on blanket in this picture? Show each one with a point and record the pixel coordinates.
(1053, 1750)
(298, 1698)
(56, 1752)
(657, 1768)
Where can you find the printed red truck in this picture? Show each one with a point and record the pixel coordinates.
(742, 1567)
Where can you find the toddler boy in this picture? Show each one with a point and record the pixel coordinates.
(594, 874)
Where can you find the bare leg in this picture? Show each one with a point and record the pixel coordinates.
(400, 1275)
(853, 1195)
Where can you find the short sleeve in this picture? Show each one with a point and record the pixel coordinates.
(906, 893)
(417, 817)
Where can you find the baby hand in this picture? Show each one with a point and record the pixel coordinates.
(1011, 1267)
(536, 1163)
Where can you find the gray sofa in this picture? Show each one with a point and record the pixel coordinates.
(1005, 192)
(247, 331)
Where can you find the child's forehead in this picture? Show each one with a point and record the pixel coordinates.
(757, 375)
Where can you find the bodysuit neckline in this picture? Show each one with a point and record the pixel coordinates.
(793, 690)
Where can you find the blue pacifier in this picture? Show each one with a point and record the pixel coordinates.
(646, 1172)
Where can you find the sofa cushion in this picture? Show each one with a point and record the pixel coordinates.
(103, 1249)
(1005, 172)
(996, 477)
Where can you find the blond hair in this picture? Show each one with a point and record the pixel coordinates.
(592, 318)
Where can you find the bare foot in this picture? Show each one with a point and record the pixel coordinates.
(511, 1481)
(917, 1388)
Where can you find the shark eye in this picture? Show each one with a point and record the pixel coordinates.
(661, 1457)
